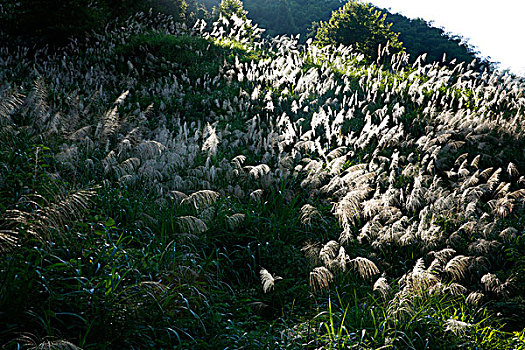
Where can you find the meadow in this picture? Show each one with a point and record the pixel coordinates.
(166, 187)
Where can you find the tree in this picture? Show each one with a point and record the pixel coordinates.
(229, 7)
(361, 26)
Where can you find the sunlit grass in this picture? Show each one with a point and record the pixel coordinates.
(154, 174)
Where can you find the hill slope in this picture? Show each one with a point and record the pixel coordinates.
(154, 177)
(297, 16)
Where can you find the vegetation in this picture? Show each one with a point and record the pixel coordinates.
(361, 26)
(164, 187)
(303, 16)
(420, 37)
(289, 17)
(229, 7)
(56, 21)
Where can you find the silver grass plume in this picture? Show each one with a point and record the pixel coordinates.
(436, 267)
(309, 213)
(42, 108)
(236, 220)
(443, 255)
(328, 252)
(32, 342)
(456, 289)
(460, 159)
(482, 246)
(501, 207)
(518, 194)
(339, 263)
(209, 215)
(256, 195)
(320, 278)
(474, 298)
(502, 189)
(415, 199)
(52, 216)
(382, 287)
(349, 207)
(201, 199)
(419, 280)
(457, 267)
(191, 224)
(177, 196)
(336, 153)
(457, 327)
(267, 280)
(258, 171)
(311, 251)
(8, 240)
(365, 267)
(238, 161)
(509, 233)
(212, 141)
(494, 179)
(8, 104)
(512, 170)
(149, 149)
(110, 121)
(485, 174)
(491, 282)
(127, 167)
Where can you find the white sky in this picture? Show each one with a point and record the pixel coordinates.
(494, 28)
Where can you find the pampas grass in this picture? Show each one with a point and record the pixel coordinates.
(457, 327)
(457, 267)
(320, 278)
(364, 267)
(418, 164)
(267, 280)
(381, 285)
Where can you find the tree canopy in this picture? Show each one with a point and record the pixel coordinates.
(229, 7)
(361, 26)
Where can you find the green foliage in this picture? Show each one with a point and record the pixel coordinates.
(428, 322)
(194, 54)
(361, 26)
(290, 16)
(420, 37)
(229, 7)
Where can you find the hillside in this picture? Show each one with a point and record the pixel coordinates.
(209, 188)
(293, 17)
(420, 37)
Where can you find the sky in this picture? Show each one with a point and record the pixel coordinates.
(494, 28)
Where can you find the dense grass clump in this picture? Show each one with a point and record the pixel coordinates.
(164, 187)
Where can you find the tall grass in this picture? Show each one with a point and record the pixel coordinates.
(145, 198)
